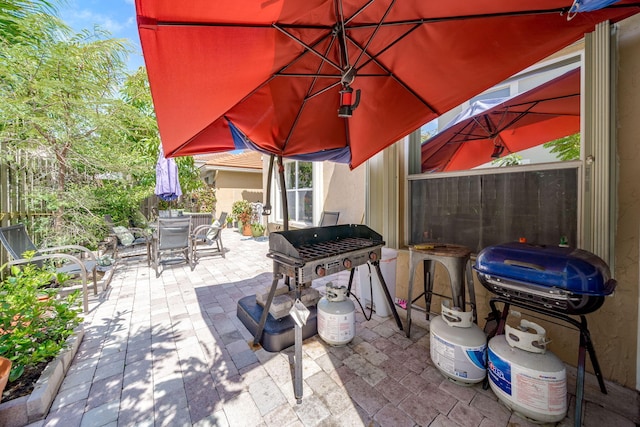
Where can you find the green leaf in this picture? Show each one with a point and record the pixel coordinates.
(16, 372)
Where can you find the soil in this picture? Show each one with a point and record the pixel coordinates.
(23, 385)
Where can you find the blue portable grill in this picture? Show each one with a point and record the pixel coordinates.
(563, 279)
(553, 281)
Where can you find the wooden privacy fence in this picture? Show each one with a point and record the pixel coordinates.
(19, 175)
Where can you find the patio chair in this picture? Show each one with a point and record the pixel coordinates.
(198, 219)
(125, 240)
(207, 238)
(16, 241)
(171, 238)
(328, 218)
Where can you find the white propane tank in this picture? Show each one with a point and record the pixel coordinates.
(525, 377)
(336, 316)
(458, 346)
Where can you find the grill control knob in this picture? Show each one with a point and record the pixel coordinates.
(321, 271)
(373, 256)
(347, 263)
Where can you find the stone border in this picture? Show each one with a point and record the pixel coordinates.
(27, 409)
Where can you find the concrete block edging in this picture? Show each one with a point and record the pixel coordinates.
(35, 406)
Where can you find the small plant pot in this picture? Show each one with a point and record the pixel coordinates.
(257, 231)
(5, 369)
(246, 229)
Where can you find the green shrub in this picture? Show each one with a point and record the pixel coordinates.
(34, 321)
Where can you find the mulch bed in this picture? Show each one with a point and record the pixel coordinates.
(24, 385)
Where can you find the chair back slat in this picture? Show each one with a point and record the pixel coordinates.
(173, 233)
(16, 241)
(198, 219)
(223, 219)
(329, 218)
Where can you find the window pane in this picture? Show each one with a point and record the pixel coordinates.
(307, 209)
(291, 204)
(290, 174)
(299, 186)
(305, 175)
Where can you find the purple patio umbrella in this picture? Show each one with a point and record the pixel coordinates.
(167, 182)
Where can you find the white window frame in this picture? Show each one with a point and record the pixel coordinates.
(316, 189)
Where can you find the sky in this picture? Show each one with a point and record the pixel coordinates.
(118, 17)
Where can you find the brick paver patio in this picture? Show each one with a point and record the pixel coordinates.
(171, 352)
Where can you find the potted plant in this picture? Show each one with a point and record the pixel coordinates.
(229, 221)
(257, 229)
(241, 210)
(35, 320)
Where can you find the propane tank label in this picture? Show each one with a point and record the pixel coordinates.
(539, 391)
(338, 328)
(500, 372)
(458, 360)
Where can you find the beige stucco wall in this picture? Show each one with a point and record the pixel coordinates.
(344, 191)
(614, 327)
(232, 186)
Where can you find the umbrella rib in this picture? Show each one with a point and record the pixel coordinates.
(560, 10)
(326, 76)
(375, 31)
(486, 126)
(373, 58)
(420, 21)
(340, 33)
(307, 47)
(555, 98)
(359, 11)
(307, 97)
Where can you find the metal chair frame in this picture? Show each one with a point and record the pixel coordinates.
(120, 250)
(206, 236)
(172, 236)
(16, 241)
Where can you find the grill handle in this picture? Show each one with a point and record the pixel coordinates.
(284, 259)
(523, 264)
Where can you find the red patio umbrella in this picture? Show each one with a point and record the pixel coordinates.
(336, 79)
(507, 125)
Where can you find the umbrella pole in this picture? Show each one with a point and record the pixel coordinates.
(283, 190)
(285, 206)
(266, 210)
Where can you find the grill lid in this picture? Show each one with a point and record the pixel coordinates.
(575, 270)
(319, 242)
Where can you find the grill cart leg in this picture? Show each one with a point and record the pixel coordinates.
(265, 311)
(297, 367)
(387, 294)
(351, 275)
(585, 340)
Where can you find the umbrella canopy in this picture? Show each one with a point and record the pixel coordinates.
(495, 127)
(167, 181)
(336, 79)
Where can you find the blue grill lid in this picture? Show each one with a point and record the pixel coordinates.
(574, 270)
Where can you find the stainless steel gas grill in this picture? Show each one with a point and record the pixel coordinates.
(552, 281)
(311, 253)
(302, 256)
